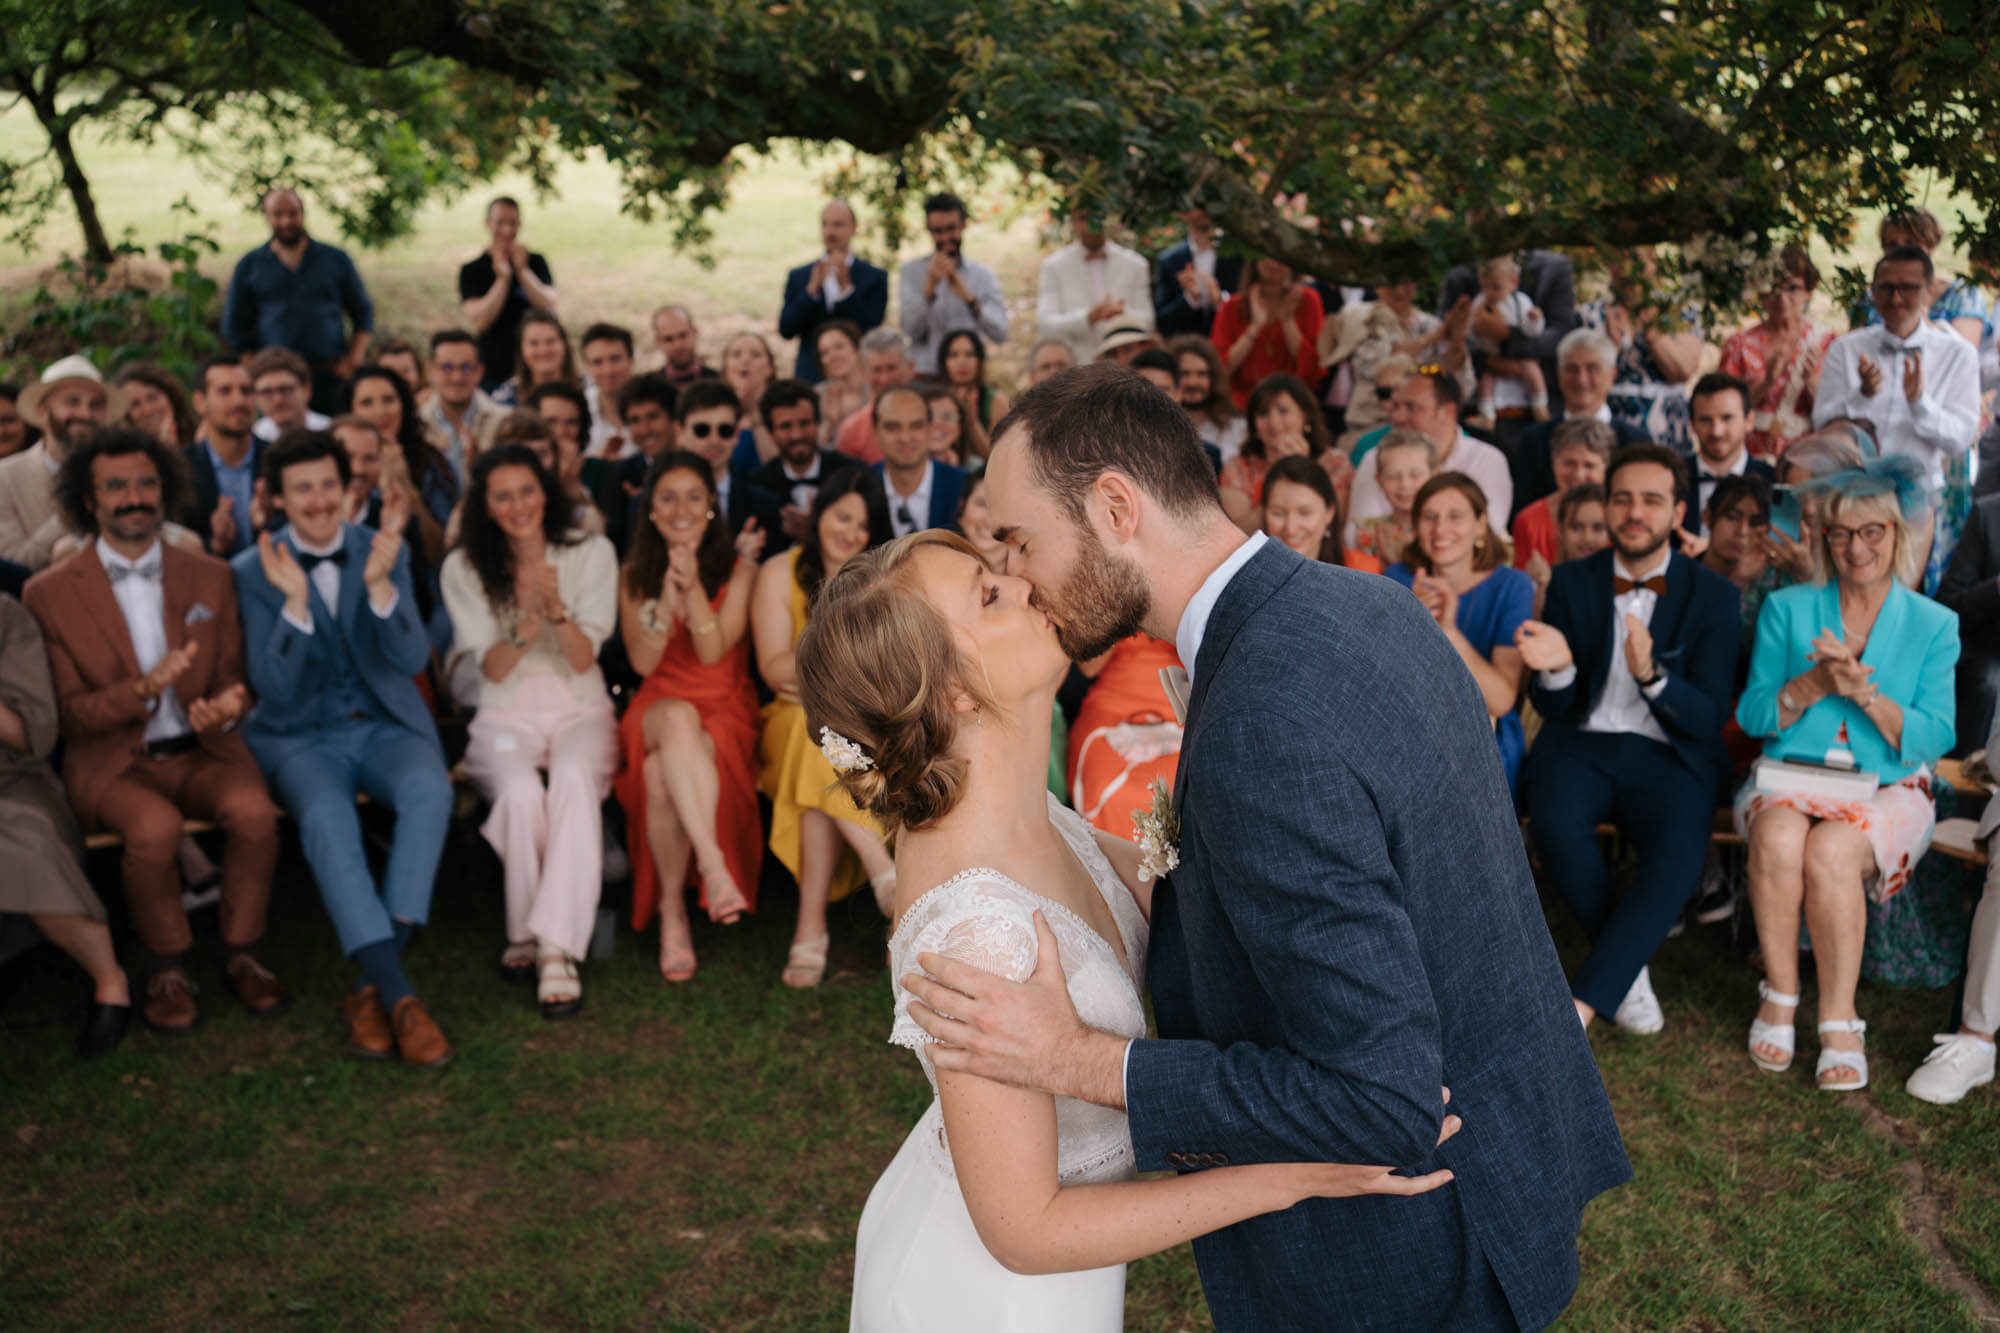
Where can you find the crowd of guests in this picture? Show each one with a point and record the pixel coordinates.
(1678, 590)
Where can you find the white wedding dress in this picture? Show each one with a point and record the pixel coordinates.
(919, 1265)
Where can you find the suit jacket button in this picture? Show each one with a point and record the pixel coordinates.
(1176, 1159)
(1222, 1159)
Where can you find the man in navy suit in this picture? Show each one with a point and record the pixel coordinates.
(1191, 281)
(1585, 362)
(1352, 926)
(339, 713)
(790, 410)
(708, 414)
(1635, 663)
(835, 286)
(1720, 408)
(923, 493)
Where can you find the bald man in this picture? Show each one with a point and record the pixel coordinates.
(835, 286)
(303, 294)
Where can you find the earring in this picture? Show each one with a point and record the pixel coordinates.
(711, 513)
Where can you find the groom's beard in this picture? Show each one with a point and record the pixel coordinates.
(1105, 599)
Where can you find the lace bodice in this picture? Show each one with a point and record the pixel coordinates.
(982, 917)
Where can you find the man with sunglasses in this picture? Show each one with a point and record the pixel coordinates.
(1916, 382)
(946, 291)
(708, 412)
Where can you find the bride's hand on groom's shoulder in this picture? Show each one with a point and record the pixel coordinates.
(1024, 1033)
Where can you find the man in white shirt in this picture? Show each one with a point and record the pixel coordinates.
(281, 382)
(607, 356)
(1916, 383)
(1635, 664)
(1428, 402)
(1719, 412)
(1090, 285)
(837, 285)
(946, 291)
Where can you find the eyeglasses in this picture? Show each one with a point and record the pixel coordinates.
(1906, 290)
(284, 390)
(1385, 391)
(1871, 534)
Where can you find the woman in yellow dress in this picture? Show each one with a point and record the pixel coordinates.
(811, 814)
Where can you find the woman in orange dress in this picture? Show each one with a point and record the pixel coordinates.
(822, 837)
(1125, 736)
(689, 786)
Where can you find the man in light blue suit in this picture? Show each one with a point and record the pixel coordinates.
(1352, 926)
(338, 713)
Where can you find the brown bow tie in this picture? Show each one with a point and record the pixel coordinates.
(1657, 585)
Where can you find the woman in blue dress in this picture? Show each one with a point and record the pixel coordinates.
(1458, 569)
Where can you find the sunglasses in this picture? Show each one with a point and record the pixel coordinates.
(701, 430)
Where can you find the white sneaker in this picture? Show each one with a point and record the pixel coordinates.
(1958, 1065)
(1639, 1012)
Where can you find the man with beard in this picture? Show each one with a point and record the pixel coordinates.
(226, 505)
(947, 291)
(300, 293)
(147, 657)
(1351, 928)
(790, 410)
(69, 402)
(1635, 665)
(1719, 406)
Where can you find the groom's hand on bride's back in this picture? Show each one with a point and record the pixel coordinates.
(1026, 1033)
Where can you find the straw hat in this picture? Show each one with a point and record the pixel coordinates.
(69, 370)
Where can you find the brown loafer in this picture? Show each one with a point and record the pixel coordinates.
(254, 987)
(170, 1007)
(417, 1037)
(367, 1025)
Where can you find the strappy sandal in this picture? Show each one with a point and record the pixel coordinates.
(677, 960)
(807, 960)
(560, 991)
(1831, 1059)
(1784, 1036)
(728, 911)
(517, 963)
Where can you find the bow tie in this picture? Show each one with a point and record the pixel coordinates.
(148, 570)
(308, 561)
(1894, 344)
(1657, 585)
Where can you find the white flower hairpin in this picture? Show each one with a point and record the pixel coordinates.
(842, 753)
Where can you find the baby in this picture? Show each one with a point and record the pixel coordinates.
(1500, 292)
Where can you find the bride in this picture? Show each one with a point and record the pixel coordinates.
(929, 680)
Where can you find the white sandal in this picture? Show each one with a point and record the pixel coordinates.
(1830, 1059)
(1784, 1036)
(559, 991)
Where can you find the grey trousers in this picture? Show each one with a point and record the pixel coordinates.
(1982, 968)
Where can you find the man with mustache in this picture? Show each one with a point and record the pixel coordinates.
(147, 658)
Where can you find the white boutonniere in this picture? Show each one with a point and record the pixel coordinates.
(1159, 830)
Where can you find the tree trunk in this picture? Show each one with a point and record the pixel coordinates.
(95, 243)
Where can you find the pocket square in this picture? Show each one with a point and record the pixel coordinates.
(198, 613)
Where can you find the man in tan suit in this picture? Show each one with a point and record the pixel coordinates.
(147, 655)
(69, 402)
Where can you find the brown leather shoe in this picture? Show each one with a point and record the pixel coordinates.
(417, 1037)
(254, 987)
(367, 1024)
(170, 1007)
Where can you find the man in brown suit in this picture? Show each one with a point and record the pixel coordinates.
(147, 656)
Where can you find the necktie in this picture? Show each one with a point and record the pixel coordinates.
(148, 570)
(309, 562)
(1657, 585)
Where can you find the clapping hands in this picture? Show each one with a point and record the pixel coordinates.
(1438, 599)
(1543, 647)
(167, 670)
(219, 710)
(1839, 670)
(282, 572)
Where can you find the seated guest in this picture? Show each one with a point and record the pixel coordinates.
(811, 814)
(70, 401)
(1387, 376)
(1837, 448)
(1404, 461)
(1580, 524)
(1586, 360)
(1285, 422)
(678, 339)
(1812, 697)
(382, 398)
(1582, 449)
(838, 286)
(543, 353)
(1634, 662)
(709, 413)
(885, 354)
(748, 368)
(46, 889)
(148, 661)
(566, 409)
(1125, 736)
(975, 523)
(334, 644)
(401, 356)
(646, 405)
(922, 492)
(1739, 514)
(962, 367)
(607, 362)
(460, 416)
(1046, 357)
(1428, 401)
(1270, 327)
(1971, 587)
(1156, 365)
(843, 383)
(223, 458)
(16, 434)
(947, 439)
(1301, 510)
(558, 453)
(281, 382)
(690, 734)
(1204, 391)
(1780, 356)
(1458, 570)
(531, 600)
(791, 414)
(157, 403)
(1719, 413)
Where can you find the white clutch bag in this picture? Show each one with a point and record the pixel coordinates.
(1808, 779)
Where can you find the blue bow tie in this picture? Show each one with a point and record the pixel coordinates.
(148, 570)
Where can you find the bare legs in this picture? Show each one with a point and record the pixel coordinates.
(89, 943)
(1802, 869)
(820, 837)
(687, 771)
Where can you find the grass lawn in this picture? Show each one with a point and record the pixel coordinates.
(695, 1157)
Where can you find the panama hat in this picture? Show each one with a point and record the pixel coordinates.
(69, 370)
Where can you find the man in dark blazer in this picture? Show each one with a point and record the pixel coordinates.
(923, 493)
(1635, 665)
(790, 410)
(1971, 587)
(1191, 280)
(1719, 406)
(835, 286)
(1352, 926)
(1585, 364)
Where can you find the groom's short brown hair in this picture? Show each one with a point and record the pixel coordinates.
(1083, 422)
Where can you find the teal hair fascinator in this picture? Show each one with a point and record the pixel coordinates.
(1898, 475)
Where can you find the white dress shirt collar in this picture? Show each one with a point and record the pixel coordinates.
(917, 503)
(109, 558)
(1194, 620)
(1661, 560)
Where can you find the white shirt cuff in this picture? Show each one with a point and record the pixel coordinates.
(1559, 680)
(1654, 690)
(1125, 1078)
(304, 626)
(384, 612)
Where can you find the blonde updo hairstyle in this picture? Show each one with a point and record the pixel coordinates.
(879, 665)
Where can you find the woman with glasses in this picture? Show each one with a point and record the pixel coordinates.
(1779, 357)
(1852, 669)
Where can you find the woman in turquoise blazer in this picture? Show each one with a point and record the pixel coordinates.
(1852, 662)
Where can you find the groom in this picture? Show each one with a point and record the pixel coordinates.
(1352, 924)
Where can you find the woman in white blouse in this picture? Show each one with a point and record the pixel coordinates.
(531, 601)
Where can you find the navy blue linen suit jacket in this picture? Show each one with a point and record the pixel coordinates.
(1352, 926)
(1696, 629)
(802, 313)
(1171, 312)
(947, 486)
